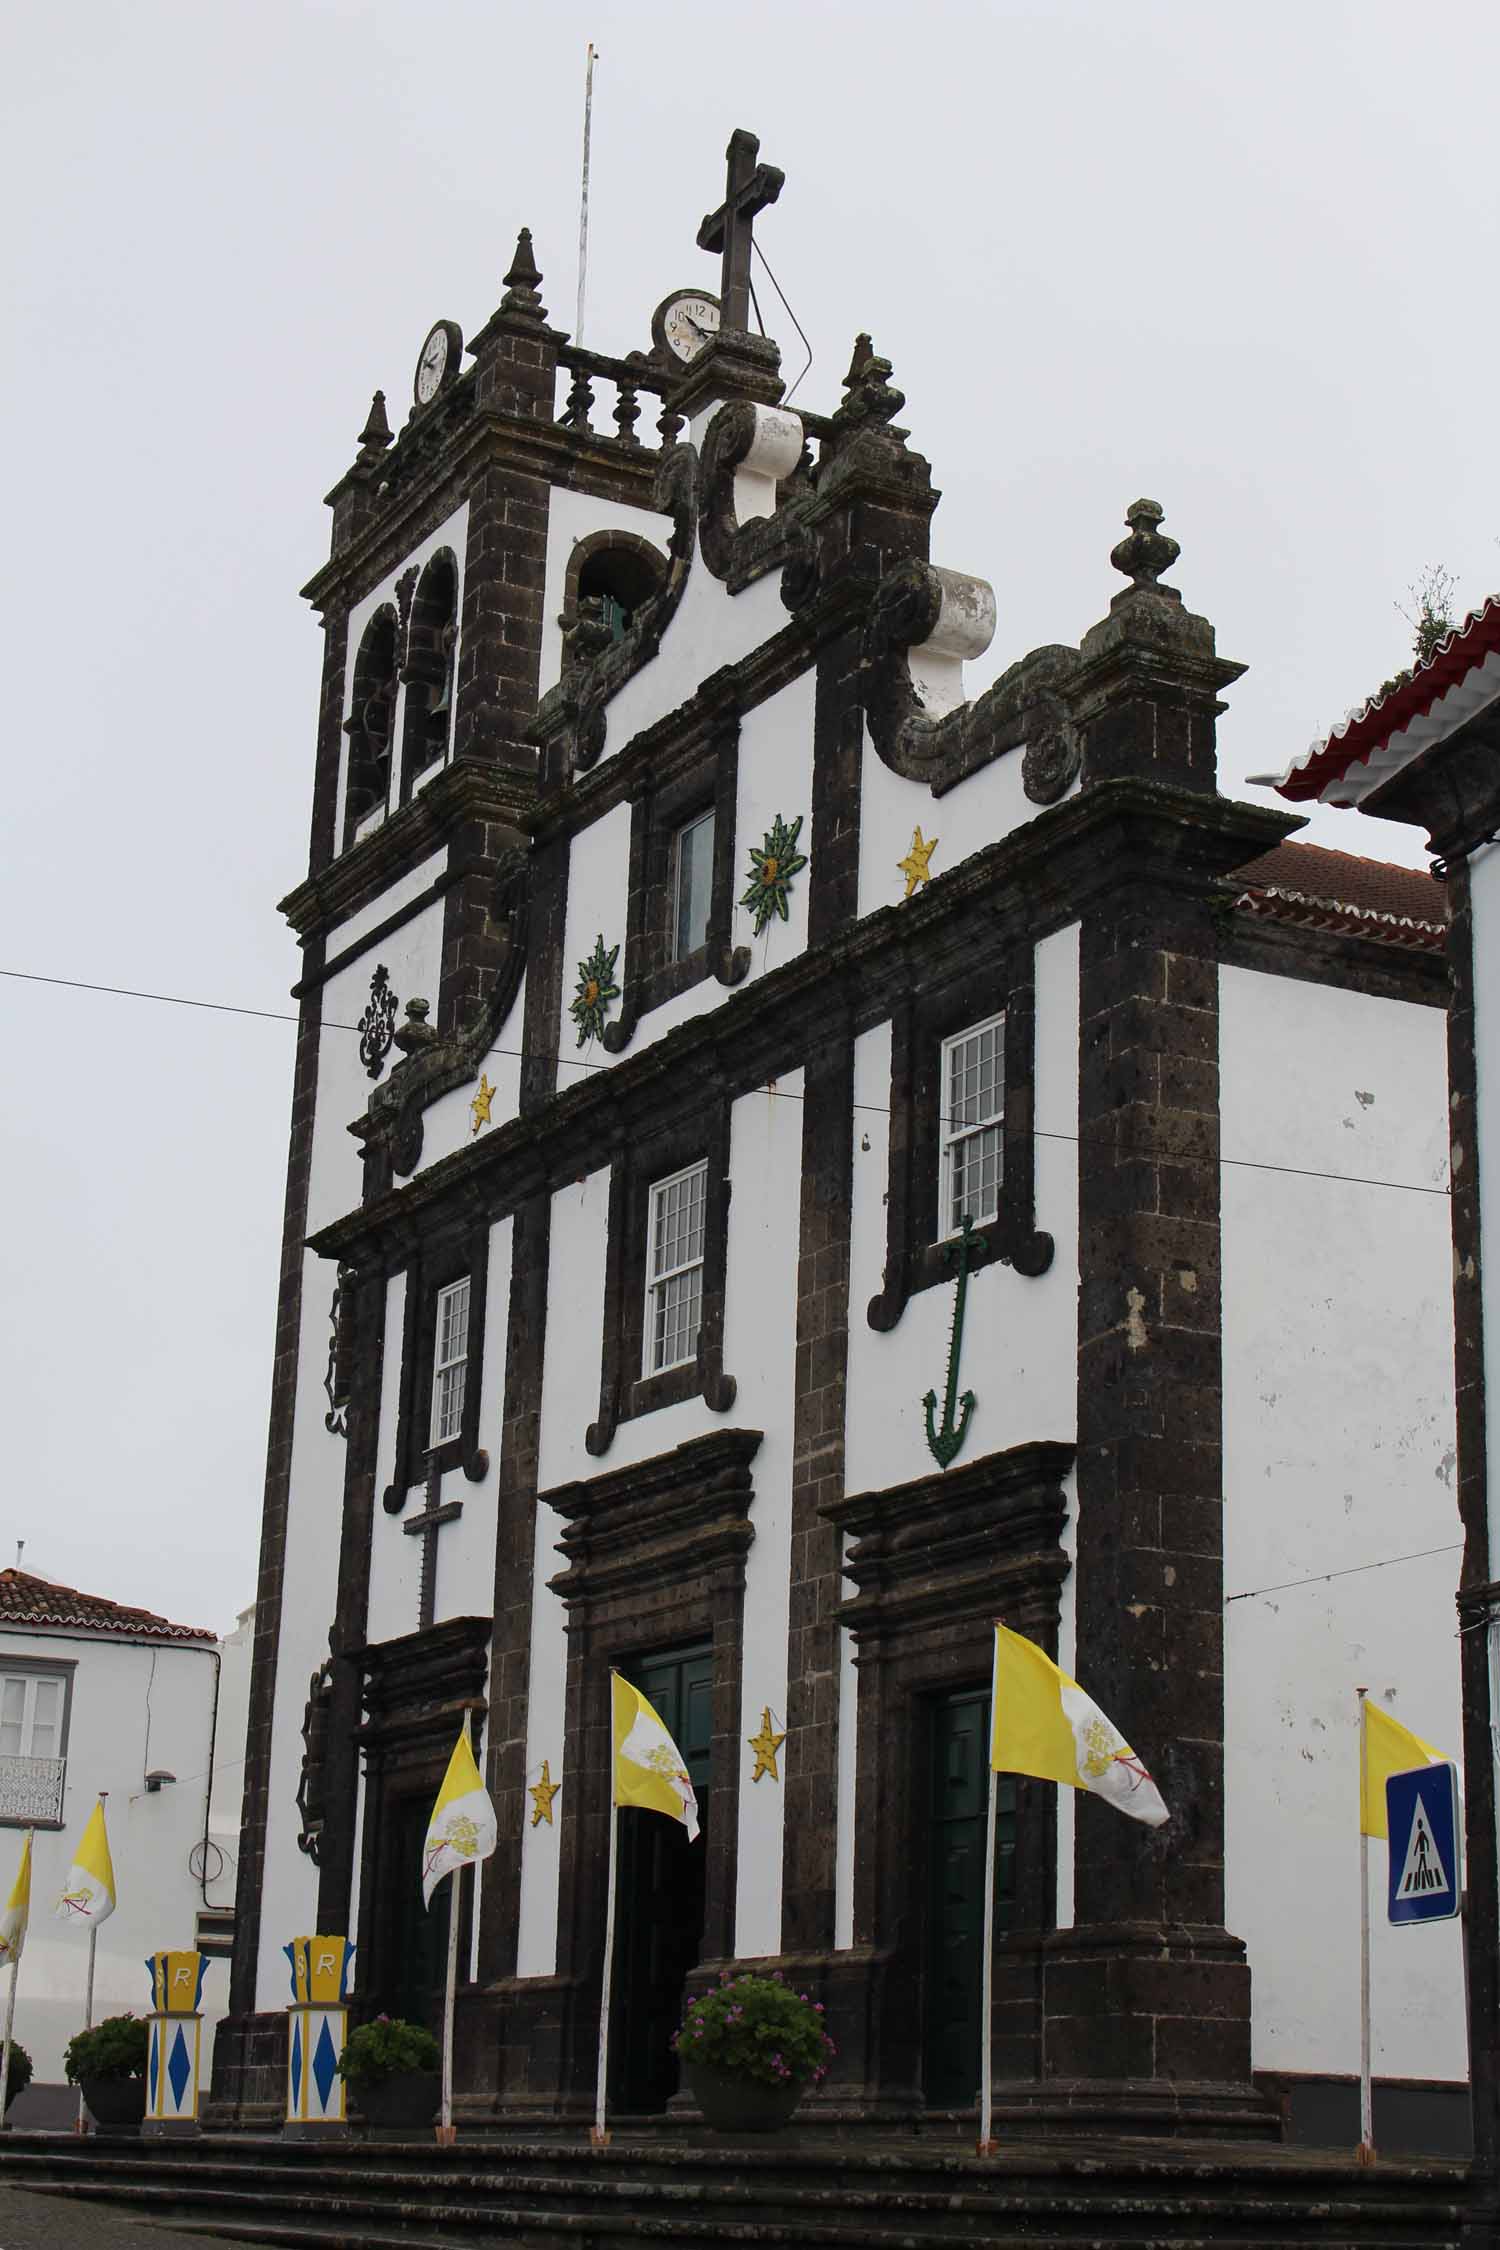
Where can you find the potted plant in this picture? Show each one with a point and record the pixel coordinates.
(748, 2048)
(20, 2072)
(391, 2067)
(109, 2063)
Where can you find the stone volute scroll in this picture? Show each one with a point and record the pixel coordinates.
(310, 1796)
(747, 524)
(923, 624)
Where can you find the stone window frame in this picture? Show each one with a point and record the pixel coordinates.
(426, 666)
(659, 811)
(917, 1248)
(594, 544)
(49, 1668)
(365, 680)
(455, 1256)
(636, 1168)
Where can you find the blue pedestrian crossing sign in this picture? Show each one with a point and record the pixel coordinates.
(1424, 1830)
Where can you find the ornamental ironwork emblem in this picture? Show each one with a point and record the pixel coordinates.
(771, 872)
(377, 1026)
(336, 1420)
(596, 989)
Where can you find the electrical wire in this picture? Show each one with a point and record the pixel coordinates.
(776, 1093)
(791, 316)
(1353, 1570)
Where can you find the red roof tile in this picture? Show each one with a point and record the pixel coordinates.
(1314, 888)
(25, 1600)
(1372, 726)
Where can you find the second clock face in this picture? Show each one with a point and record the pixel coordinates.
(437, 360)
(684, 323)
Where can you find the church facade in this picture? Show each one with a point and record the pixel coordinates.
(791, 1163)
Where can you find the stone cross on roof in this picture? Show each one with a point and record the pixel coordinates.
(748, 189)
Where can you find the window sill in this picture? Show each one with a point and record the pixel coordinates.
(729, 964)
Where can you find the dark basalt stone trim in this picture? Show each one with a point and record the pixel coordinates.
(655, 1560)
(270, 1579)
(416, 1692)
(375, 937)
(935, 1562)
(838, 737)
(661, 808)
(637, 1164)
(915, 1251)
(338, 1782)
(1028, 704)
(434, 1264)
(1347, 964)
(515, 1534)
(1014, 891)
(463, 791)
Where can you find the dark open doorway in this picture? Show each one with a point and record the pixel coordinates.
(957, 1747)
(660, 1892)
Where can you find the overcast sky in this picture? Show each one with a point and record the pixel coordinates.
(1239, 258)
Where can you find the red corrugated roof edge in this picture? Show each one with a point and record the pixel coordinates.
(25, 1600)
(1368, 728)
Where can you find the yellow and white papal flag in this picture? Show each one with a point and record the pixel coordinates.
(462, 1829)
(1386, 1747)
(1043, 1724)
(650, 1770)
(88, 1895)
(17, 1909)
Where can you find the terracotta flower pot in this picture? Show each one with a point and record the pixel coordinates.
(732, 2104)
(409, 2099)
(117, 2105)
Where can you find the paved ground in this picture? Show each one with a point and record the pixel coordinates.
(60, 2222)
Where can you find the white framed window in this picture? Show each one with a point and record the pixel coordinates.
(692, 885)
(674, 1268)
(31, 1714)
(970, 1125)
(450, 1361)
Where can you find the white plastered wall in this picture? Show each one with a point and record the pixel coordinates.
(135, 1708)
(1338, 1455)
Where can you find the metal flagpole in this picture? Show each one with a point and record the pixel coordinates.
(1365, 2153)
(599, 2136)
(88, 2014)
(986, 2144)
(583, 207)
(445, 2132)
(10, 2018)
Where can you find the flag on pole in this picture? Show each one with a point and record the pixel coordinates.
(650, 1770)
(462, 1829)
(88, 1895)
(1387, 1747)
(17, 1909)
(1044, 1724)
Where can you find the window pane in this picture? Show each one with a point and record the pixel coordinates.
(692, 883)
(679, 1314)
(975, 1084)
(977, 1162)
(448, 1403)
(12, 1716)
(677, 1230)
(46, 1721)
(453, 1324)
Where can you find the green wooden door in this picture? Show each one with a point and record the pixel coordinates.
(958, 1748)
(419, 1962)
(659, 1899)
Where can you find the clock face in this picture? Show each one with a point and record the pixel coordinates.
(683, 323)
(437, 361)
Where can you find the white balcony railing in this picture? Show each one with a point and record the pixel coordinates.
(31, 1789)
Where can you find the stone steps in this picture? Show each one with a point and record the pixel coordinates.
(696, 2194)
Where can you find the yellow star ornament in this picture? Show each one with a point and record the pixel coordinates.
(480, 1105)
(765, 1745)
(915, 866)
(542, 1793)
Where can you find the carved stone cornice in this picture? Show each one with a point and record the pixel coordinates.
(1034, 880)
(417, 1688)
(463, 792)
(959, 1543)
(682, 1514)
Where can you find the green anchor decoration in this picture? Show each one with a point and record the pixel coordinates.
(946, 1440)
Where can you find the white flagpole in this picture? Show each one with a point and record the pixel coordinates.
(10, 2019)
(1365, 2153)
(88, 2014)
(599, 2136)
(445, 2132)
(986, 2144)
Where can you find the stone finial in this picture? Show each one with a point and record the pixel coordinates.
(376, 434)
(416, 1032)
(868, 395)
(521, 290)
(1148, 551)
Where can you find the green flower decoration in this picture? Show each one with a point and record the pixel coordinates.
(772, 870)
(596, 989)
